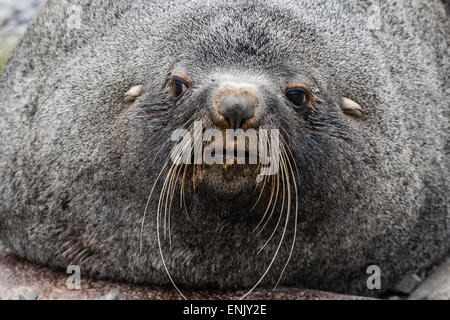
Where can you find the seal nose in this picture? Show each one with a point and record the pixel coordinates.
(236, 110)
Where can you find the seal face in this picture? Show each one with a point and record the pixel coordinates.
(125, 165)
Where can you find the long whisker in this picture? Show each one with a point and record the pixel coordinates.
(183, 197)
(276, 251)
(148, 202)
(274, 205)
(162, 255)
(284, 182)
(150, 196)
(260, 194)
(295, 217)
(165, 191)
(271, 198)
(167, 205)
(172, 186)
(163, 195)
(169, 185)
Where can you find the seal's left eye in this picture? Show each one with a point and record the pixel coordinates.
(299, 97)
(179, 88)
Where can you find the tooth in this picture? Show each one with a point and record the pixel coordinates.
(132, 94)
(350, 107)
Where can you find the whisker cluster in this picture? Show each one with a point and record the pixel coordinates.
(283, 189)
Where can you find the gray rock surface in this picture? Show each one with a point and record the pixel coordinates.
(28, 295)
(436, 286)
(113, 295)
(14, 17)
(408, 284)
(23, 280)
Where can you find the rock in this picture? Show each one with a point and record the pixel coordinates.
(111, 296)
(5, 14)
(17, 274)
(436, 286)
(407, 284)
(15, 16)
(25, 16)
(26, 295)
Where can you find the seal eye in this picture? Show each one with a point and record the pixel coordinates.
(179, 88)
(299, 97)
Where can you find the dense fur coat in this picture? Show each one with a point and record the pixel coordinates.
(77, 162)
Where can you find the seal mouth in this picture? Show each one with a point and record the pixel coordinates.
(235, 153)
(226, 180)
(229, 169)
(233, 157)
(232, 174)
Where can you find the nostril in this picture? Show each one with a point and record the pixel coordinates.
(236, 110)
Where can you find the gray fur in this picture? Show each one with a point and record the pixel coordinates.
(77, 162)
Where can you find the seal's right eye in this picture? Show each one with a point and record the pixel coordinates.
(179, 88)
(300, 97)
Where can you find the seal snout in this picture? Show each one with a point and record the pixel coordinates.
(236, 107)
(236, 110)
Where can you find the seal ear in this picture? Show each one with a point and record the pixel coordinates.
(351, 108)
(132, 94)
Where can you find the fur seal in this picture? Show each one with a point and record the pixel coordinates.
(88, 111)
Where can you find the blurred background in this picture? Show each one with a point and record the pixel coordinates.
(14, 18)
